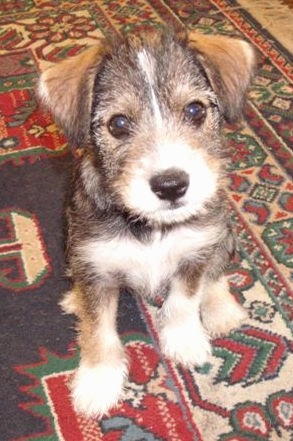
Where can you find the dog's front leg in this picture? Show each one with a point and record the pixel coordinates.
(182, 335)
(219, 310)
(98, 382)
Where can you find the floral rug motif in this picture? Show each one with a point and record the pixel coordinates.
(245, 391)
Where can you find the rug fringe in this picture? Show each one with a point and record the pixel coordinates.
(273, 15)
(274, 11)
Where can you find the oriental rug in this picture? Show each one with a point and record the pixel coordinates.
(245, 391)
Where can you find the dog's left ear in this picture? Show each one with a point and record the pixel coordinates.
(66, 89)
(229, 64)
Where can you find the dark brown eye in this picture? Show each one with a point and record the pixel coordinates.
(119, 126)
(195, 112)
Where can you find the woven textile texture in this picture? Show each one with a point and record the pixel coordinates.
(245, 391)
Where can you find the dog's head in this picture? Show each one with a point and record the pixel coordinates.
(149, 112)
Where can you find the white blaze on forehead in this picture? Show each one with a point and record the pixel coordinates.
(147, 64)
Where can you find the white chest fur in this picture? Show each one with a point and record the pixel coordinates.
(145, 266)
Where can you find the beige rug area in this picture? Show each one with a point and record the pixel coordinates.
(274, 16)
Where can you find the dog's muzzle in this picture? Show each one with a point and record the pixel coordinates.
(170, 185)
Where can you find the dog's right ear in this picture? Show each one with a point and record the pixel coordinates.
(66, 89)
(229, 64)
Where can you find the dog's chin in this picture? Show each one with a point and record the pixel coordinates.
(171, 213)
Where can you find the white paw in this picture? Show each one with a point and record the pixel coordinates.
(185, 343)
(95, 390)
(223, 319)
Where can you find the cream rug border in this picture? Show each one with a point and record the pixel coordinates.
(275, 17)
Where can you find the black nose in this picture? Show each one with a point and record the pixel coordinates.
(170, 184)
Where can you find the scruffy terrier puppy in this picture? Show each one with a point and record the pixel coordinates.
(147, 211)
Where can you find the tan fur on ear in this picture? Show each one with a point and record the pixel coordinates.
(66, 89)
(229, 64)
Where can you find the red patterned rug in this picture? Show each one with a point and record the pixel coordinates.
(245, 391)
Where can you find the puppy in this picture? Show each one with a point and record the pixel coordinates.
(147, 211)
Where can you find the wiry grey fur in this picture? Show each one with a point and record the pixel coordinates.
(151, 81)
